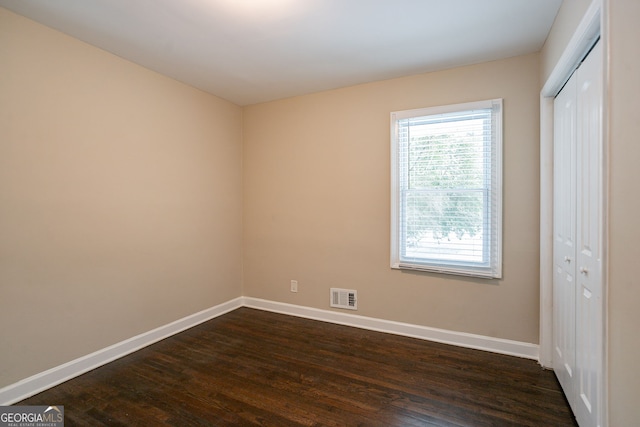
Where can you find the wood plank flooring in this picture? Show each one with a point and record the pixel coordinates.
(251, 367)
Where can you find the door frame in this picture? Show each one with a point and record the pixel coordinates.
(592, 26)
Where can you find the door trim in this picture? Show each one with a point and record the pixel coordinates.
(592, 26)
(587, 32)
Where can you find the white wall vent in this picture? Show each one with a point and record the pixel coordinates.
(344, 298)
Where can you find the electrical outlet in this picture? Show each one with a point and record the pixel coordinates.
(294, 286)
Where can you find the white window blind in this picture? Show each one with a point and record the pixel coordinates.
(447, 189)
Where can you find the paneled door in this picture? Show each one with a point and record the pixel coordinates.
(578, 245)
(589, 278)
(564, 236)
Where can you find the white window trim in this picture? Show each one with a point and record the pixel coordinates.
(494, 270)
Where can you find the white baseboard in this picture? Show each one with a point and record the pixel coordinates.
(35, 384)
(461, 339)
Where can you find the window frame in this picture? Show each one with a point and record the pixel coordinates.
(492, 204)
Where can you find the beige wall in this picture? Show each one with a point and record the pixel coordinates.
(316, 202)
(120, 199)
(624, 231)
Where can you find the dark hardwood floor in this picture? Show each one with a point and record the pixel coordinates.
(251, 367)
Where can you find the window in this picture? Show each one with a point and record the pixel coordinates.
(447, 189)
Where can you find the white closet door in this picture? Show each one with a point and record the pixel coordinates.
(578, 324)
(589, 320)
(564, 236)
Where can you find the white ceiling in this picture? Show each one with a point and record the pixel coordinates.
(250, 51)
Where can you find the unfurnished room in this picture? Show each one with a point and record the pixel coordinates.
(319, 212)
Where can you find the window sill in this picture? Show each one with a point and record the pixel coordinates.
(468, 272)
